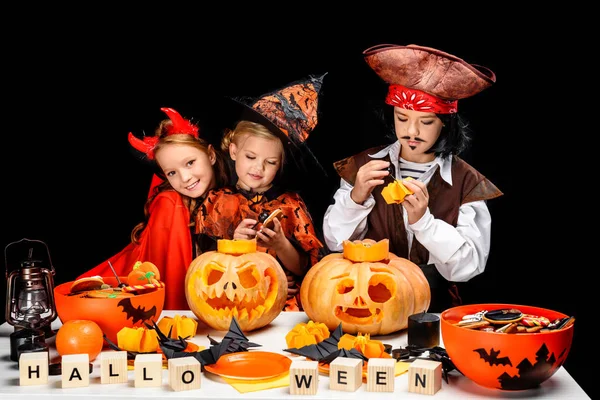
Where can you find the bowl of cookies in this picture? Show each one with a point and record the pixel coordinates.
(506, 346)
(113, 303)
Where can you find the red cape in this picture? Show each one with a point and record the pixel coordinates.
(166, 242)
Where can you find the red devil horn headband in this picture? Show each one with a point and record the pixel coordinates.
(179, 125)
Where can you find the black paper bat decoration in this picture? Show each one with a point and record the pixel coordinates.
(492, 358)
(327, 350)
(136, 313)
(233, 342)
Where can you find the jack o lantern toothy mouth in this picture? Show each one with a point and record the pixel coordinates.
(241, 308)
(358, 315)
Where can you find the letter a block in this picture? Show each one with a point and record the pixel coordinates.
(425, 376)
(75, 370)
(184, 373)
(147, 369)
(304, 377)
(345, 374)
(33, 368)
(380, 374)
(113, 367)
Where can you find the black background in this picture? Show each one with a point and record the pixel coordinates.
(74, 89)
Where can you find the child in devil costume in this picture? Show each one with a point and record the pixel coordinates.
(188, 166)
(268, 132)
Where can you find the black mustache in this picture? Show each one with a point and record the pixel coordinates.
(414, 139)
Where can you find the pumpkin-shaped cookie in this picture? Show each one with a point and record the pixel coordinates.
(236, 281)
(366, 288)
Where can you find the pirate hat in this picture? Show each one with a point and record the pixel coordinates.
(426, 79)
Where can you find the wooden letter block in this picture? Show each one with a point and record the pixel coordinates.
(184, 373)
(147, 369)
(33, 368)
(304, 377)
(345, 374)
(425, 376)
(380, 374)
(75, 370)
(113, 367)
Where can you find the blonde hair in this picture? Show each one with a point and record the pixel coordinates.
(243, 129)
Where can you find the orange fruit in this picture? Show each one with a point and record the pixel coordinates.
(79, 336)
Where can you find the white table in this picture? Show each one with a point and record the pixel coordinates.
(272, 338)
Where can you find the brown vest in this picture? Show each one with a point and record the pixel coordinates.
(385, 220)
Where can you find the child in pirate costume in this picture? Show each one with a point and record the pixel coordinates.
(444, 225)
(269, 131)
(187, 166)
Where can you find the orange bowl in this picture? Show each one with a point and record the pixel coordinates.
(111, 314)
(505, 361)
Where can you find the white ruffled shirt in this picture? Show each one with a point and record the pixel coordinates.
(459, 253)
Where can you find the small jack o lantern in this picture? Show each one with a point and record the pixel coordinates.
(236, 281)
(366, 288)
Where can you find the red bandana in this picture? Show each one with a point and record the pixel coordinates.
(417, 100)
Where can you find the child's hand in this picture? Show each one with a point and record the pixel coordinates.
(368, 177)
(415, 204)
(272, 238)
(245, 229)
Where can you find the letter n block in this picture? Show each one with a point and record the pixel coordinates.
(147, 369)
(184, 373)
(113, 367)
(75, 370)
(304, 377)
(425, 376)
(33, 368)
(345, 374)
(380, 374)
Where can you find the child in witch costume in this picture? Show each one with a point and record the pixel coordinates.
(269, 131)
(188, 166)
(444, 225)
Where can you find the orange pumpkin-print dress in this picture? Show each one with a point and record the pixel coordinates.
(224, 209)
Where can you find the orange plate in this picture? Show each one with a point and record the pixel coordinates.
(250, 365)
(324, 369)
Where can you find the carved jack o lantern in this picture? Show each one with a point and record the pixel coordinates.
(366, 288)
(236, 281)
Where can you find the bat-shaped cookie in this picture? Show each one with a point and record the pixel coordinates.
(492, 358)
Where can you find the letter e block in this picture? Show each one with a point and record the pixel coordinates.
(425, 376)
(345, 374)
(33, 368)
(304, 377)
(113, 367)
(75, 370)
(147, 369)
(380, 374)
(184, 373)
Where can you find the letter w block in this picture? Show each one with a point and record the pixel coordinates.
(304, 377)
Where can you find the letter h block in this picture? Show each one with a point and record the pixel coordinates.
(425, 376)
(184, 373)
(380, 374)
(147, 369)
(113, 367)
(33, 368)
(75, 370)
(304, 377)
(345, 374)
